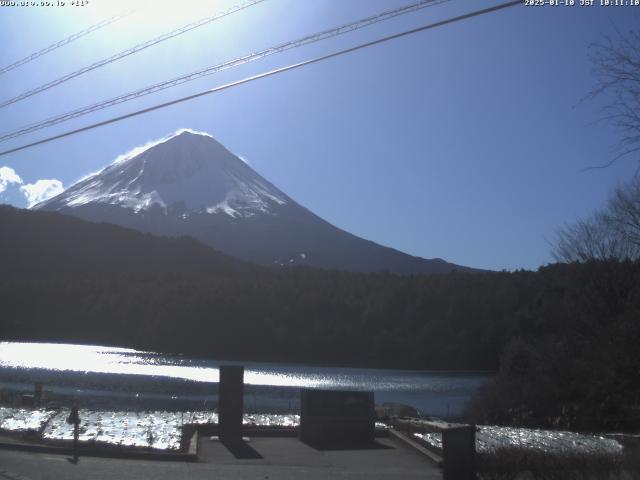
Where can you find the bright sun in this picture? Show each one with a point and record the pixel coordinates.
(158, 13)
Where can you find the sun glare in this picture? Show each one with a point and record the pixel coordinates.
(157, 13)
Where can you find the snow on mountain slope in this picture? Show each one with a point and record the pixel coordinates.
(188, 170)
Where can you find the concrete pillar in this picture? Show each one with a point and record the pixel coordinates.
(230, 404)
(458, 453)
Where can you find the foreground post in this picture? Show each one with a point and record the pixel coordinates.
(458, 452)
(37, 395)
(74, 419)
(230, 405)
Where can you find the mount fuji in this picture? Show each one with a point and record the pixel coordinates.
(189, 184)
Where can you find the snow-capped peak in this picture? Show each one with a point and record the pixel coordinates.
(135, 151)
(188, 171)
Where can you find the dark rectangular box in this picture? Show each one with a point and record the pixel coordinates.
(336, 417)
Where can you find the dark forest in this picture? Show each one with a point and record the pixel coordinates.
(564, 339)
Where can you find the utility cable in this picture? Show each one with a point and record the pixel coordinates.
(306, 40)
(271, 73)
(130, 51)
(67, 40)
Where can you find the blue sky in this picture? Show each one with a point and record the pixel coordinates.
(467, 142)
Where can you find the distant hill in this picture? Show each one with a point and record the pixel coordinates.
(51, 245)
(65, 279)
(189, 184)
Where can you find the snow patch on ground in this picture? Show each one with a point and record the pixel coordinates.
(160, 430)
(489, 438)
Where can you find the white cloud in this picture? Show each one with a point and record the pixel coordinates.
(7, 176)
(34, 193)
(41, 190)
(244, 159)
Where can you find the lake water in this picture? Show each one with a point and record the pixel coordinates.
(95, 375)
(141, 399)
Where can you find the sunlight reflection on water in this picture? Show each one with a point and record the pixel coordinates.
(90, 358)
(99, 359)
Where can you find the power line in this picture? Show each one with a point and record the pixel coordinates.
(65, 41)
(316, 37)
(130, 51)
(271, 73)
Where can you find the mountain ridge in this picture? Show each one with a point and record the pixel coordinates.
(190, 184)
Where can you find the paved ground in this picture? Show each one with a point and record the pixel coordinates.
(261, 458)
